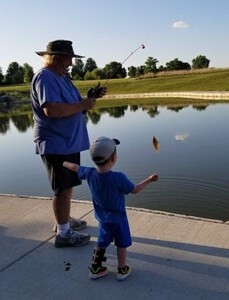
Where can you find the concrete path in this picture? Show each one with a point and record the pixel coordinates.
(172, 256)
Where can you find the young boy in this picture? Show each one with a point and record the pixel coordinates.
(108, 190)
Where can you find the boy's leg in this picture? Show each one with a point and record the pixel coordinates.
(97, 270)
(104, 240)
(122, 241)
(121, 254)
(123, 270)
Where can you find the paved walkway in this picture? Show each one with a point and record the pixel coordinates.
(172, 256)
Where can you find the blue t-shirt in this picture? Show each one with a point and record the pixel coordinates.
(64, 135)
(108, 193)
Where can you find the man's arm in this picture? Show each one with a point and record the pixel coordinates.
(59, 110)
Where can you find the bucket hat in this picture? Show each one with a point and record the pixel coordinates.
(59, 47)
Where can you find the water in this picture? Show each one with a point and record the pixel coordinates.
(192, 160)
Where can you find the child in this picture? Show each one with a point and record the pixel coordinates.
(108, 190)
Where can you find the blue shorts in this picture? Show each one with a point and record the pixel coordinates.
(119, 233)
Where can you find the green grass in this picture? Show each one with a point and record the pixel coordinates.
(210, 80)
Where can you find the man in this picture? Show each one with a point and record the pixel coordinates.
(60, 133)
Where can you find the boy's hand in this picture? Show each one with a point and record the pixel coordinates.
(71, 166)
(154, 177)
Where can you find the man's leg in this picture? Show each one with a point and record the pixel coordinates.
(62, 206)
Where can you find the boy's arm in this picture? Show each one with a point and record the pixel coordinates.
(141, 185)
(71, 166)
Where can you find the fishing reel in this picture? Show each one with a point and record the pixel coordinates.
(95, 92)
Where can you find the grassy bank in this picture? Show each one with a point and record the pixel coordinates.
(177, 81)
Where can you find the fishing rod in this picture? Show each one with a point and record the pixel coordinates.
(142, 46)
(93, 92)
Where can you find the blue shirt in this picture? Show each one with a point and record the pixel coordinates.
(108, 193)
(64, 135)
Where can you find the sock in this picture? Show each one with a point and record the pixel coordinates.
(62, 229)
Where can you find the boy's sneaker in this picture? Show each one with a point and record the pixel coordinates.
(98, 272)
(75, 224)
(123, 272)
(72, 239)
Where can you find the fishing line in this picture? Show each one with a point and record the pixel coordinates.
(142, 46)
(95, 91)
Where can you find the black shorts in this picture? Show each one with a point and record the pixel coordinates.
(60, 177)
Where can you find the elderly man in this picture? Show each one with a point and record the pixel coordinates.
(60, 133)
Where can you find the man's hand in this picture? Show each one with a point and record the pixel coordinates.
(87, 104)
(97, 91)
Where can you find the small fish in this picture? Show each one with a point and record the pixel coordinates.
(155, 143)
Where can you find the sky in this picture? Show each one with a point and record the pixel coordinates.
(110, 30)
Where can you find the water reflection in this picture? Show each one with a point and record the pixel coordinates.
(192, 158)
(4, 124)
(22, 117)
(176, 108)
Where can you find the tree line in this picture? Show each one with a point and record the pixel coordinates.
(16, 74)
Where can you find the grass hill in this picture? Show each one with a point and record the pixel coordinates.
(193, 80)
(176, 81)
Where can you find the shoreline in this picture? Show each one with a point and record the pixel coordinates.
(131, 208)
(190, 95)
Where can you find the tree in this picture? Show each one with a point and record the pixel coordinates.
(98, 73)
(77, 71)
(90, 65)
(28, 73)
(151, 65)
(132, 71)
(14, 74)
(114, 70)
(140, 71)
(200, 62)
(88, 76)
(1, 76)
(161, 68)
(177, 64)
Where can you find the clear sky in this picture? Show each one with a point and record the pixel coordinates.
(109, 30)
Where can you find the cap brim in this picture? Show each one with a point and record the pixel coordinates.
(41, 53)
(117, 142)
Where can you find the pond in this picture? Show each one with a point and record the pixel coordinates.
(192, 160)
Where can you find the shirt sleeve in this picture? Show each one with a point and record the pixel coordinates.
(48, 90)
(82, 172)
(126, 183)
